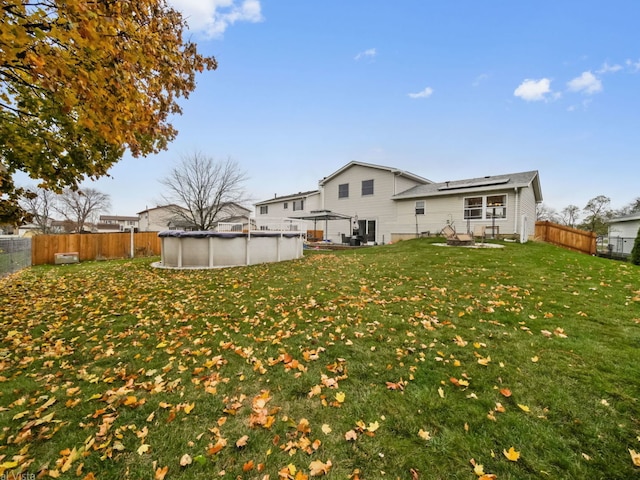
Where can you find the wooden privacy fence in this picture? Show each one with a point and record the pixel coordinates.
(94, 246)
(563, 236)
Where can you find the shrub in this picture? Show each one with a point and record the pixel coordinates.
(635, 253)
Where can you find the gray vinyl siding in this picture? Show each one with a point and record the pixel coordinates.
(156, 221)
(627, 229)
(528, 208)
(449, 210)
(378, 207)
(402, 184)
(277, 211)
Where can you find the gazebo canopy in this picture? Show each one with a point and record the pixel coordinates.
(323, 215)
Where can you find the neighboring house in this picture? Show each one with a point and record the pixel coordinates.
(234, 213)
(156, 219)
(622, 233)
(388, 204)
(295, 205)
(116, 223)
(166, 217)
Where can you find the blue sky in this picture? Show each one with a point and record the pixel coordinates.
(444, 89)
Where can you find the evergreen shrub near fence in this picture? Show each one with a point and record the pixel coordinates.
(15, 254)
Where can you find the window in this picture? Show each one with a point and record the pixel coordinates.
(420, 207)
(298, 205)
(367, 187)
(491, 206)
(473, 208)
(496, 206)
(286, 205)
(343, 190)
(264, 209)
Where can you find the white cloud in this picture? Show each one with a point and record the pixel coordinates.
(427, 92)
(635, 66)
(606, 68)
(214, 16)
(480, 79)
(584, 106)
(533, 90)
(370, 53)
(586, 83)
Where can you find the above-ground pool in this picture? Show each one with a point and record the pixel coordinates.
(211, 249)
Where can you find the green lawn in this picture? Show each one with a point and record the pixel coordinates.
(407, 361)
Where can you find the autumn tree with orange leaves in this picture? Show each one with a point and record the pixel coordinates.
(82, 82)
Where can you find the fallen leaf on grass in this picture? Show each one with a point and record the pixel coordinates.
(242, 441)
(220, 444)
(423, 434)
(185, 460)
(351, 435)
(524, 408)
(318, 468)
(161, 473)
(396, 385)
(635, 457)
(511, 455)
(326, 429)
(505, 392)
(144, 448)
(484, 361)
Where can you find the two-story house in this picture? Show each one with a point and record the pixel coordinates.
(387, 204)
(175, 217)
(116, 223)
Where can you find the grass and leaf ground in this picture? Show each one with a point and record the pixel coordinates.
(407, 361)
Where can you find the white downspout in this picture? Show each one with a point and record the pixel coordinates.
(516, 211)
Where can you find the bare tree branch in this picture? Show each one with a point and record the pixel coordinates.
(41, 205)
(79, 206)
(205, 191)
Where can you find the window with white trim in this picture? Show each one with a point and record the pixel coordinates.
(343, 190)
(264, 209)
(367, 187)
(298, 205)
(473, 208)
(496, 206)
(485, 207)
(419, 207)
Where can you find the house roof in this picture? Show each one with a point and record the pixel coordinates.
(395, 171)
(293, 196)
(480, 184)
(626, 218)
(161, 207)
(117, 218)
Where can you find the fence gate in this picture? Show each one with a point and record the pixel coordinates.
(15, 254)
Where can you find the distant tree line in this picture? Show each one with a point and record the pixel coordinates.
(593, 217)
(71, 211)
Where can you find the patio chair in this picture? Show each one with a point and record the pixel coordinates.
(457, 239)
(479, 231)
